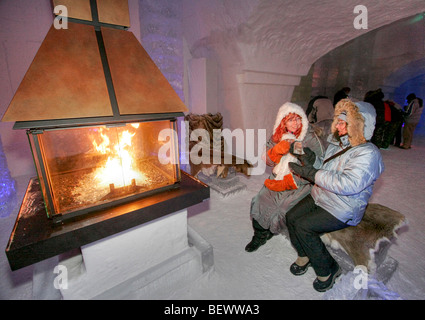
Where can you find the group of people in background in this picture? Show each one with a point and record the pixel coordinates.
(395, 124)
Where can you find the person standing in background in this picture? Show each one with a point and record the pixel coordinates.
(412, 117)
(383, 116)
(341, 94)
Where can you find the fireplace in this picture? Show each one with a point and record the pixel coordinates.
(102, 126)
(83, 169)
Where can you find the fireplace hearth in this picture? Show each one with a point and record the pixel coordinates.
(35, 238)
(94, 106)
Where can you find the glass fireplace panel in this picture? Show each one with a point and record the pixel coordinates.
(87, 167)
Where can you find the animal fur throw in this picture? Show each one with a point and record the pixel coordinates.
(362, 242)
(209, 122)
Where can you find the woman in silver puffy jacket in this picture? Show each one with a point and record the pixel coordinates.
(343, 181)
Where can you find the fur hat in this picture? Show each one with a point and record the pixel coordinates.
(360, 118)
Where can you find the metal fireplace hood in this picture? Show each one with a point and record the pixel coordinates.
(95, 71)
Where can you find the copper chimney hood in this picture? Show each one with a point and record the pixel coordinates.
(93, 100)
(92, 72)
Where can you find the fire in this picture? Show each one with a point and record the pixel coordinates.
(120, 167)
(104, 146)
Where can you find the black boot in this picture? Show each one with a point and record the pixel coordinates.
(323, 286)
(260, 237)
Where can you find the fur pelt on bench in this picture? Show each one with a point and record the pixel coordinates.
(362, 242)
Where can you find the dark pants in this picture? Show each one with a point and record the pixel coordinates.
(392, 132)
(398, 134)
(381, 134)
(306, 222)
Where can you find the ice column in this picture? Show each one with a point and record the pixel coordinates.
(162, 38)
(7, 186)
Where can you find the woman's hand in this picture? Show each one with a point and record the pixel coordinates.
(307, 172)
(308, 158)
(276, 153)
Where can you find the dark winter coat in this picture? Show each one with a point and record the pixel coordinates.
(375, 98)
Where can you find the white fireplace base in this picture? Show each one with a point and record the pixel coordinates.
(150, 261)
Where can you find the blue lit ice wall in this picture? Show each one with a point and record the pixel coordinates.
(7, 187)
(161, 33)
(161, 36)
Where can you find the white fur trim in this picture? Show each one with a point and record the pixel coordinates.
(282, 169)
(288, 108)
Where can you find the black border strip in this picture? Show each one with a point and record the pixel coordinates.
(104, 58)
(73, 122)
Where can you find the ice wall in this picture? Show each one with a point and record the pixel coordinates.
(23, 26)
(7, 186)
(160, 25)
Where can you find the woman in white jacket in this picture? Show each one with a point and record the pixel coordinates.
(281, 191)
(343, 181)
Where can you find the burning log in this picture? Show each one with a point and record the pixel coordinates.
(122, 191)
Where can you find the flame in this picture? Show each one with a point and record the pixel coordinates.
(120, 166)
(104, 146)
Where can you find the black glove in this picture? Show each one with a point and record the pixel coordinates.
(308, 158)
(307, 172)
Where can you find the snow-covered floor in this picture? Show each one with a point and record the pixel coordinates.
(264, 274)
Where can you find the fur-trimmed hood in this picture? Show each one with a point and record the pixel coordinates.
(282, 169)
(361, 119)
(288, 108)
